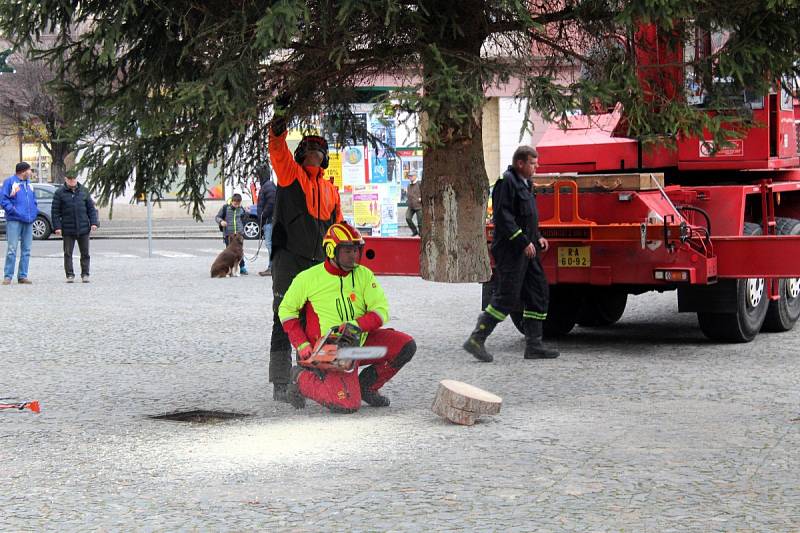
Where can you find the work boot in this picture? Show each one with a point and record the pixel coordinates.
(279, 392)
(292, 391)
(366, 379)
(534, 349)
(476, 340)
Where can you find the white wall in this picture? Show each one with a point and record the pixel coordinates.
(511, 114)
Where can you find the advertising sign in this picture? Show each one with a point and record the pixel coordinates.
(366, 208)
(353, 166)
(334, 170)
(390, 196)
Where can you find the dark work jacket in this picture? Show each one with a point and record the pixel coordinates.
(73, 211)
(266, 203)
(306, 203)
(516, 220)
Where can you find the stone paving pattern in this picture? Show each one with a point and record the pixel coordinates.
(644, 426)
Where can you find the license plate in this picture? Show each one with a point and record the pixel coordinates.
(574, 256)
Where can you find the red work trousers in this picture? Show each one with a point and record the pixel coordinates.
(341, 391)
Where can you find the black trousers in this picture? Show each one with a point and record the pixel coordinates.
(69, 246)
(520, 279)
(285, 266)
(410, 214)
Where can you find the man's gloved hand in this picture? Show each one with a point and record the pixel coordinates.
(349, 334)
(283, 101)
(279, 111)
(304, 351)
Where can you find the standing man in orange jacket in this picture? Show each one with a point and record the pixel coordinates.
(306, 205)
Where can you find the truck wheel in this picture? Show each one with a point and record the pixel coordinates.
(602, 306)
(751, 300)
(782, 314)
(565, 306)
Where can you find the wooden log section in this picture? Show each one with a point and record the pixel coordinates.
(462, 403)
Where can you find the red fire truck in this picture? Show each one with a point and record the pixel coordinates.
(719, 227)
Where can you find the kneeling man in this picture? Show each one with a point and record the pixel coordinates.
(340, 292)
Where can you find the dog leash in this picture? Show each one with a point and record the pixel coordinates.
(253, 259)
(260, 241)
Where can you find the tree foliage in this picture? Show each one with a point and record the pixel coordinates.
(184, 82)
(29, 101)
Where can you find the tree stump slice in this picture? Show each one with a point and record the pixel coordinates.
(462, 403)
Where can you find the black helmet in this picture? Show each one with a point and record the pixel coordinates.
(309, 143)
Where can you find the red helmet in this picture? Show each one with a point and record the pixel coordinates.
(340, 233)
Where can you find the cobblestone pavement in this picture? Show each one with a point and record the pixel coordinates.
(643, 426)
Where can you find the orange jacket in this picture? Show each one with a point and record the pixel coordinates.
(306, 203)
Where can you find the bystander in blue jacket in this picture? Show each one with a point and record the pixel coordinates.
(19, 203)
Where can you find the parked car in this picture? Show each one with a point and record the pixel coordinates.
(43, 225)
(252, 229)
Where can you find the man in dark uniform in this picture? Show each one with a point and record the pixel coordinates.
(515, 246)
(306, 205)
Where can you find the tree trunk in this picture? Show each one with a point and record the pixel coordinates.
(58, 169)
(454, 193)
(454, 184)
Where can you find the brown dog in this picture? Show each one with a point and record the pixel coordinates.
(227, 262)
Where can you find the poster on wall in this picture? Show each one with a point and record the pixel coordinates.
(410, 160)
(353, 166)
(390, 196)
(346, 201)
(334, 170)
(366, 209)
(383, 130)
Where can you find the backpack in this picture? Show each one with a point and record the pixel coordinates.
(224, 214)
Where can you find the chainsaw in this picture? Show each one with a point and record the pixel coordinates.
(339, 350)
(20, 406)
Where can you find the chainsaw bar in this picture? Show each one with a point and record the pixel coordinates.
(360, 353)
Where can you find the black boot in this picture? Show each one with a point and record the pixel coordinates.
(366, 378)
(476, 340)
(534, 349)
(280, 364)
(279, 392)
(292, 392)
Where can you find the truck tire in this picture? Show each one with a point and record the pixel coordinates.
(565, 306)
(783, 314)
(562, 314)
(602, 306)
(751, 299)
